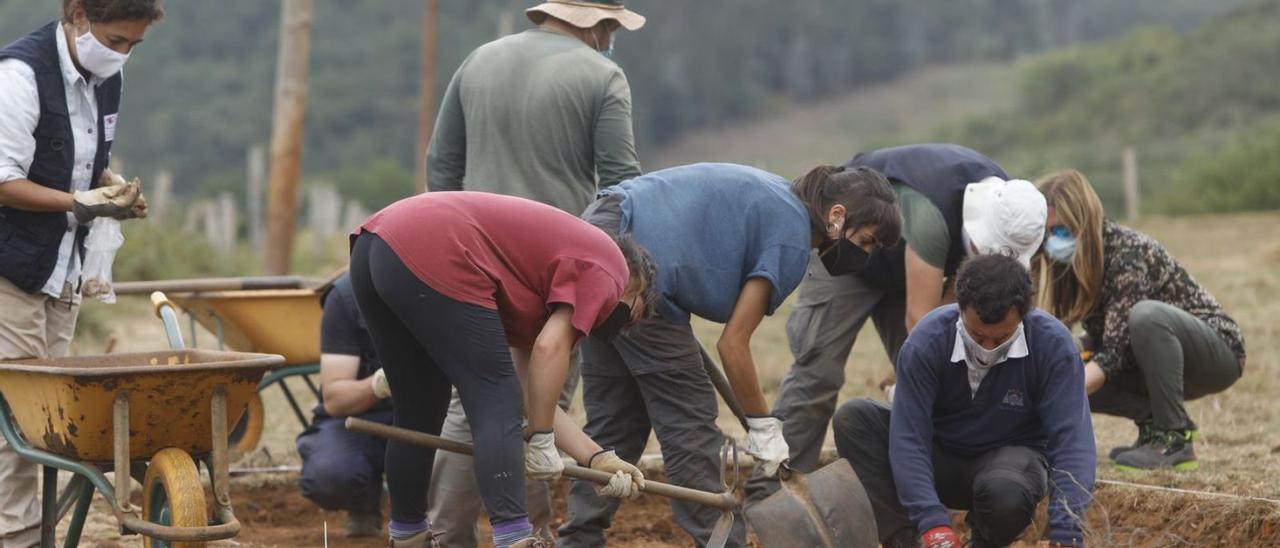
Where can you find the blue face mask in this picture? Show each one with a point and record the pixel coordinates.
(1060, 246)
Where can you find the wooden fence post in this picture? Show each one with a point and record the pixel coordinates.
(292, 72)
(426, 93)
(1131, 194)
(256, 174)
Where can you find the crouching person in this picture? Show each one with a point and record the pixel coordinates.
(990, 415)
(341, 469)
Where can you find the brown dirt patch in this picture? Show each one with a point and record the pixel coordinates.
(276, 514)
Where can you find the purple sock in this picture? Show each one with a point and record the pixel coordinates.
(403, 531)
(506, 533)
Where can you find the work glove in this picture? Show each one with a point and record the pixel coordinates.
(114, 198)
(766, 444)
(380, 387)
(940, 537)
(139, 208)
(541, 460)
(627, 479)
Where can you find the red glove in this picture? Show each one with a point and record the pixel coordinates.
(940, 537)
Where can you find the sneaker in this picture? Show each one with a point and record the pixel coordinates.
(1164, 449)
(364, 524)
(425, 539)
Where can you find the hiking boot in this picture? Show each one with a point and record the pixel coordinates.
(1144, 435)
(1164, 449)
(364, 524)
(425, 539)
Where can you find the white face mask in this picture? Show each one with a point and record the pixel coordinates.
(981, 357)
(97, 58)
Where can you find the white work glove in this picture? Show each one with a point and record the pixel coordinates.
(541, 460)
(766, 444)
(627, 479)
(116, 201)
(379, 383)
(139, 208)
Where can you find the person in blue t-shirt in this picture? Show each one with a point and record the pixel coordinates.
(990, 415)
(729, 244)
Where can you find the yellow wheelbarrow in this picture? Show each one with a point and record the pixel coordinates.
(269, 314)
(151, 416)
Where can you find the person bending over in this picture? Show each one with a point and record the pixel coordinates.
(730, 243)
(490, 293)
(990, 415)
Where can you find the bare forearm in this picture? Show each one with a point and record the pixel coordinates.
(547, 370)
(572, 440)
(28, 196)
(349, 397)
(740, 368)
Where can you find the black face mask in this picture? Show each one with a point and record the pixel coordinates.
(841, 257)
(614, 324)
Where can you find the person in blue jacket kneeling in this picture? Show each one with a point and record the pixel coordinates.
(990, 415)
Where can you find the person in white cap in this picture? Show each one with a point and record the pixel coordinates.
(944, 192)
(545, 115)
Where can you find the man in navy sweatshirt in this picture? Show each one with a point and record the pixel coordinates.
(990, 415)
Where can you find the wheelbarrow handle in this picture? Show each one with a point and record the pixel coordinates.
(722, 501)
(197, 285)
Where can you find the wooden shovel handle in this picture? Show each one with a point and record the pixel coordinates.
(723, 501)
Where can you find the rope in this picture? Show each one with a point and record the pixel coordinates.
(1186, 491)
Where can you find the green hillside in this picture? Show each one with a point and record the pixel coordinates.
(1201, 109)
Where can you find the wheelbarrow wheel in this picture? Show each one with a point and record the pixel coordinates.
(173, 495)
(247, 431)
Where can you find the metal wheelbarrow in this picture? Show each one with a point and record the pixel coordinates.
(151, 416)
(270, 314)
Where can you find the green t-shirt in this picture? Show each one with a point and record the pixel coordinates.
(537, 115)
(923, 226)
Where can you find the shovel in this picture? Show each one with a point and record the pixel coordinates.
(828, 508)
(726, 501)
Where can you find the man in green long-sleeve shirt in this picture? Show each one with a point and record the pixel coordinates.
(543, 114)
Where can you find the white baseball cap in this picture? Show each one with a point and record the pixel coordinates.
(1005, 217)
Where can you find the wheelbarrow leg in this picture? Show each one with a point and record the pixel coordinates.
(49, 508)
(85, 496)
(293, 402)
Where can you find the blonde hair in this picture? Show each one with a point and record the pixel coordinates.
(1071, 291)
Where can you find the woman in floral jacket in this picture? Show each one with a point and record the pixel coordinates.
(1157, 337)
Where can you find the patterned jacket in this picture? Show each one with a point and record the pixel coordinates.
(1137, 268)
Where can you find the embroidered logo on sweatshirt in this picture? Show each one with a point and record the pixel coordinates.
(1013, 399)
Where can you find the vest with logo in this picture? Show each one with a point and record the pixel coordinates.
(29, 240)
(940, 172)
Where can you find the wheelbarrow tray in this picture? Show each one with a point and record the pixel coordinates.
(274, 321)
(64, 405)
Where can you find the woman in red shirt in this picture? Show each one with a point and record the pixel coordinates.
(489, 293)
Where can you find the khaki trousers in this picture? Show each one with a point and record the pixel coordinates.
(31, 326)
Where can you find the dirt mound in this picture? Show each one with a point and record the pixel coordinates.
(275, 514)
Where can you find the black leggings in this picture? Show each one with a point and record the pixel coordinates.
(427, 343)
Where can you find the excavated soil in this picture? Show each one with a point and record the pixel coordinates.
(275, 514)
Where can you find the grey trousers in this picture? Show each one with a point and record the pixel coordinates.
(825, 320)
(1178, 357)
(453, 503)
(677, 403)
(999, 488)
